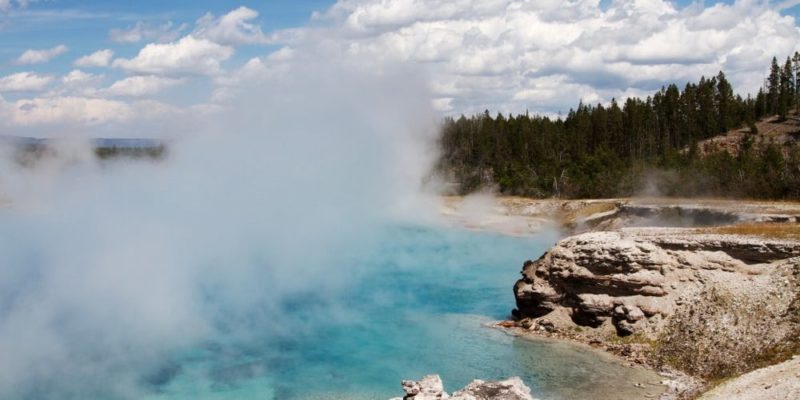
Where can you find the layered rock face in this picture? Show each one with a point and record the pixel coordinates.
(431, 388)
(715, 305)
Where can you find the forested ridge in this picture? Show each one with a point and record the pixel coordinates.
(643, 146)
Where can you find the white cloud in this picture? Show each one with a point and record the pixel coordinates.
(189, 55)
(81, 111)
(40, 56)
(443, 104)
(252, 69)
(71, 110)
(502, 55)
(232, 28)
(100, 58)
(513, 55)
(141, 31)
(229, 83)
(24, 82)
(77, 83)
(143, 85)
(78, 77)
(6, 5)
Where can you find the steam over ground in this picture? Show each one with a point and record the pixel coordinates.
(107, 269)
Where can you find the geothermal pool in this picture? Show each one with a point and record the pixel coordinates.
(416, 306)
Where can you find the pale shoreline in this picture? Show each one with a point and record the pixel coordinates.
(672, 383)
(655, 389)
(518, 216)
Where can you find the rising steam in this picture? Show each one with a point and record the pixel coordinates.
(110, 268)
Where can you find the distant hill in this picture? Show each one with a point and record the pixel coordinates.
(771, 130)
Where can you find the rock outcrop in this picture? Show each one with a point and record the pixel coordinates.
(431, 388)
(712, 305)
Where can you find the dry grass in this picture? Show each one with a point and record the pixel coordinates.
(770, 230)
(588, 210)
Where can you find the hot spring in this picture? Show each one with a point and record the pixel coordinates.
(416, 300)
(419, 305)
(281, 251)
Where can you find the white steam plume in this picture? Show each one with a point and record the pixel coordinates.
(109, 268)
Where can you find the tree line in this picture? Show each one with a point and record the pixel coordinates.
(643, 145)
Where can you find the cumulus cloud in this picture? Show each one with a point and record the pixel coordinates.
(502, 55)
(32, 56)
(77, 83)
(78, 77)
(141, 31)
(189, 55)
(508, 54)
(233, 28)
(141, 85)
(80, 111)
(254, 70)
(87, 111)
(100, 58)
(24, 82)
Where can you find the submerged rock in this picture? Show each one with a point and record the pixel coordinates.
(509, 389)
(431, 388)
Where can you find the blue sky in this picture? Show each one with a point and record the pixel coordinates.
(504, 55)
(83, 24)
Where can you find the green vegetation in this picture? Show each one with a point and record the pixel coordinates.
(622, 150)
(28, 155)
(105, 153)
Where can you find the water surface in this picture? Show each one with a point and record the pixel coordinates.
(417, 306)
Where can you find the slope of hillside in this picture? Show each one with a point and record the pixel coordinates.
(771, 130)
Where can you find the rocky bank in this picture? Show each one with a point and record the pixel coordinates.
(711, 305)
(520, 216)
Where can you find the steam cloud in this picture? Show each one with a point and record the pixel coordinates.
(107, 269)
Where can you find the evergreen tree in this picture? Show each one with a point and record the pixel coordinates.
(760, 107)
(604, 150)
(725, 103)
(787, 92)
(796, 61)
(774, 88)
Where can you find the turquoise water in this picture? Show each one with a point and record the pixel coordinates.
(417, 306)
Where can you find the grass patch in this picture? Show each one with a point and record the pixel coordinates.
(769, 230)
(588, 210)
